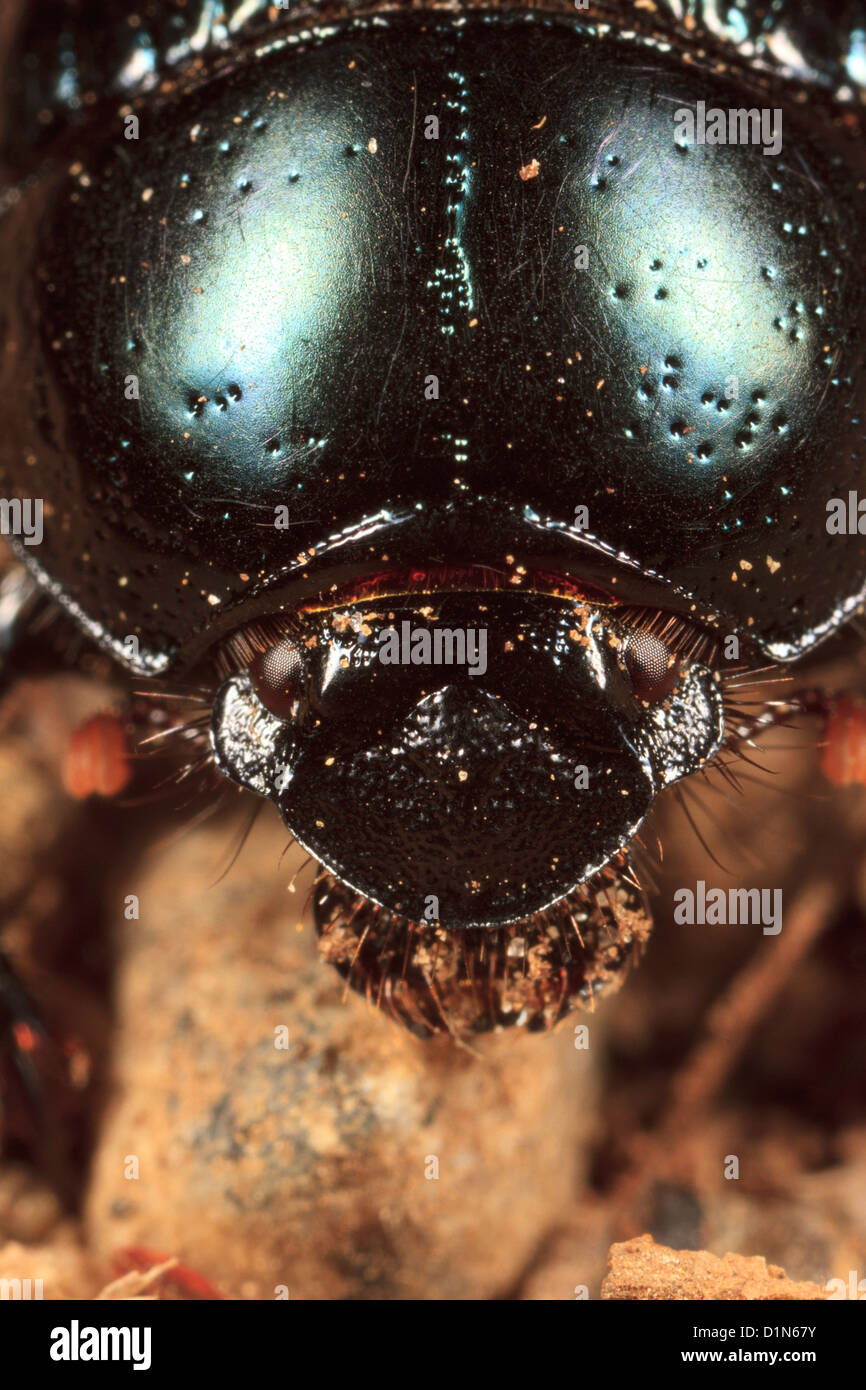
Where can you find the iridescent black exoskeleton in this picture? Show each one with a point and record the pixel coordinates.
(328, 329)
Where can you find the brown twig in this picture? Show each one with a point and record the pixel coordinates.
(728, 1026)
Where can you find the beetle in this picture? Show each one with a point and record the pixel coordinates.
(418, 397)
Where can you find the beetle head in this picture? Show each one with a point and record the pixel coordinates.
(466, 758)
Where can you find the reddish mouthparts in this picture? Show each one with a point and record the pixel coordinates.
(451, 578)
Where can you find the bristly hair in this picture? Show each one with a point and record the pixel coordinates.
(527, 974)
(172, 746)
(684, 638)
(242, 646)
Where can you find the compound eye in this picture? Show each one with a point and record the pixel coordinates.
(276, 677)
(652, 666)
